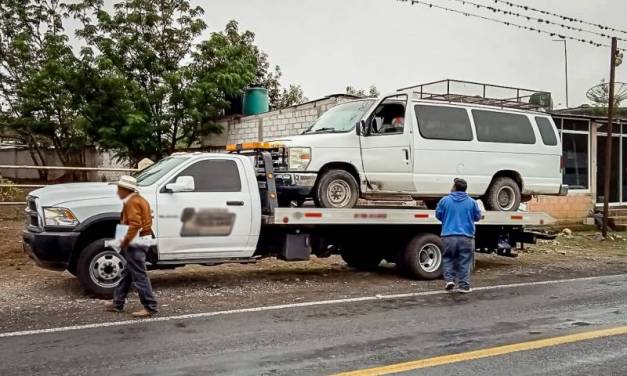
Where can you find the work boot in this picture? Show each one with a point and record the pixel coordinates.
(111, 307)
(143, 313)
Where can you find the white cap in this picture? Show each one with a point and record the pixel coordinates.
(128, 182)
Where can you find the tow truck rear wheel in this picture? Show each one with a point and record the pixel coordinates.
(99, 269)
(422, 257)
(336, 189)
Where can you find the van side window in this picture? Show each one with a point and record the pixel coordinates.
(214, 175)
(494, 126)
(388, 118)
(443, 123)
(547, 132)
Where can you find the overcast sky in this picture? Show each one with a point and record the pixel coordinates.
(325, 45)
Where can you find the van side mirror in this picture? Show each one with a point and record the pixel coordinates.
(363, 129)
(182, 184)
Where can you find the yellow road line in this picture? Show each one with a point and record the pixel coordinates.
(486, 353)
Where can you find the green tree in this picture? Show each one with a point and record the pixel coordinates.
(38, 78)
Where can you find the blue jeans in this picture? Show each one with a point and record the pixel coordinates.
(459, 252)
(134, 274)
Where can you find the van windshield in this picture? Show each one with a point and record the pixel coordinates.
(153, 173)
(341, 118)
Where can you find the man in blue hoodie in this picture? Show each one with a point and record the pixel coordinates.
(458, 213)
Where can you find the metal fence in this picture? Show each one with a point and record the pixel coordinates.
(51, 168)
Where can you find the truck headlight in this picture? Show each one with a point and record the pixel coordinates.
(298, 158)
(59, 217)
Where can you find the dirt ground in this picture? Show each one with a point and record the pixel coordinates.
(33, 298)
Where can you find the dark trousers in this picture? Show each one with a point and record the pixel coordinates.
(459, 252)
(135, 274)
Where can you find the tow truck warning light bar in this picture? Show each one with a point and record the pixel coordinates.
(254, 146)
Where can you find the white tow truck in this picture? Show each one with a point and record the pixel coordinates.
(211, 208)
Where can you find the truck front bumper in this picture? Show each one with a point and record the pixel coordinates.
(50, 250)
(295, 184)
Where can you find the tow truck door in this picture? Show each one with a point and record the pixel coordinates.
(211, 221)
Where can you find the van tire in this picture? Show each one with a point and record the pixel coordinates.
(422, 258)
(503, 195)
(95, 277)
(336, 189)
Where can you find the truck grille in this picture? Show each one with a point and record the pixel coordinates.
(32, 217)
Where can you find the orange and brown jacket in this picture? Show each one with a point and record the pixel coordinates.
(137, 216)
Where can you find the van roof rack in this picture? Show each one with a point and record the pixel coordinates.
(482, 94)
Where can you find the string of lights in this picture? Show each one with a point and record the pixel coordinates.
(565, 18)
(535, 19)
(507, 23)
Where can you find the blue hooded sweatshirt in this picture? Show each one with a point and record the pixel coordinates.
(458, 213)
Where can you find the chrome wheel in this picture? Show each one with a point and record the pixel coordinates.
(339, 193)
(106, 268)
(430, 257)
(506, 198)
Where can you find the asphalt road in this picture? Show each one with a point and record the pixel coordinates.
(330, 338)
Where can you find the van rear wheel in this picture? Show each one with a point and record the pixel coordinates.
(503, 195)
(336, 189)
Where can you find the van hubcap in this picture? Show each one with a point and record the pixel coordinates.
(339, 193)
(106, 268)
(506, 198)
(430, 257)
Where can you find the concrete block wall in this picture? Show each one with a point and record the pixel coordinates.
(286, 122)
(567, 209)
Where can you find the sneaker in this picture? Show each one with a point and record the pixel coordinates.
(143, 313)
(110, 307)
(464, 290)
(449, 286)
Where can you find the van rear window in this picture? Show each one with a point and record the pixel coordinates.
(443, 123)
(494, 126)
(547, 131)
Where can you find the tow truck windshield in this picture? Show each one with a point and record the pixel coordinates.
(153, 173)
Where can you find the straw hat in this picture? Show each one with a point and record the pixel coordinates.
(128, 182)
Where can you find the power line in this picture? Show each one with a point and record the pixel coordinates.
(565, 18)
(531, 18)
(507, 23)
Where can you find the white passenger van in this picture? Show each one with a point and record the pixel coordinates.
(401, 146)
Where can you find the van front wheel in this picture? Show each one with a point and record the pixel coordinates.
(503, 195)
(336, 189)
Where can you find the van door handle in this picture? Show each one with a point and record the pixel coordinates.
(235, 203)
(406, 151)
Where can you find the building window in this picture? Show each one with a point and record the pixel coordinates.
(575, 136)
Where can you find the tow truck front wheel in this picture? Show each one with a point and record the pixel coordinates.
(99, 269)
(336, 189)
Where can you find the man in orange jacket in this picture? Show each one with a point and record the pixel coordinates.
(137, 216)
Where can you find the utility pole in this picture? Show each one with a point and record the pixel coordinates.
(608, 146)
(565, 66)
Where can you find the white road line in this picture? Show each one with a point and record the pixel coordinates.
(286, 306)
